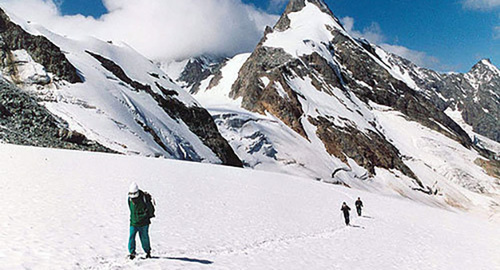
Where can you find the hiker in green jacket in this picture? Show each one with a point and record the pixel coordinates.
(140, 215)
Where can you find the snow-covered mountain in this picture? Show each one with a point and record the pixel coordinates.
(311, 100)
(60, 214)
(189, 73)
(108, 93)
(474, 95)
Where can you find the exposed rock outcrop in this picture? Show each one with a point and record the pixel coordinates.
(475, 94)
(386, 90)
(13, 37)
(198, 69)
(24, 121)
(269, 63)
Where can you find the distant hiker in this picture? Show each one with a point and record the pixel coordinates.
(359, 204)
(346, 210)
(141, 211)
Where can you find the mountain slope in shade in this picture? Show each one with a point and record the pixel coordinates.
(311, 100)
(111, 94)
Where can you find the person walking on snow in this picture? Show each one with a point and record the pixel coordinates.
(346, 210)
(359, 204)
(139, 220)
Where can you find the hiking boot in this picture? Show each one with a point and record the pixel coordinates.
(132, 256)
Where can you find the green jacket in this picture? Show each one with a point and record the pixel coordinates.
(138, 211)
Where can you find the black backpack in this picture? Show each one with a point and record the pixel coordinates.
(150, 204)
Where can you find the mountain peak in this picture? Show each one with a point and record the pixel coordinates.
(485, 61)
(485, 65)
(297, 5)
(482, 73)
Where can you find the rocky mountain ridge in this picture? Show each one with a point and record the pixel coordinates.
(108, 93)
(475, 94)
(312, 100)
(346, 63)
(24, 121)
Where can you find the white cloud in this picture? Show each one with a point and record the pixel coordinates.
(485, 5)
(40, 9)
(496, 32)
(374, 34)
(481, 4)
(159, 29)
(418, 58)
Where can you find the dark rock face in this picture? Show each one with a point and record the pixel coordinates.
(197, 119)
(24, 121)
(388, 91)
(492, 167)
(476, 94)
(258, 98)
(198, 69)
(426, 79)
(368, 150)
(39, 48)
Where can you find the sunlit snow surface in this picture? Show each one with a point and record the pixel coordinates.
(68, 210)
(304, 27)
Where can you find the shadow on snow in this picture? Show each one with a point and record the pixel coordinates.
(185, 259)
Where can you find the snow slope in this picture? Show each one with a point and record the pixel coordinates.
(67, 210)
(262, 141)
(107, 109)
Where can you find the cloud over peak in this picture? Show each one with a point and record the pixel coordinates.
(481, 4)
(159, 29)
(373, 34)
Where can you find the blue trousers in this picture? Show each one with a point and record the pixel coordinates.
(143, 235)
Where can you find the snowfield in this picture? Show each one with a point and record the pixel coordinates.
(68, 210)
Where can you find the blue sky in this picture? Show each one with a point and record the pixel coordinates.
(453, 34)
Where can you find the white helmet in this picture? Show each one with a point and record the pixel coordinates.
(133, 190)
